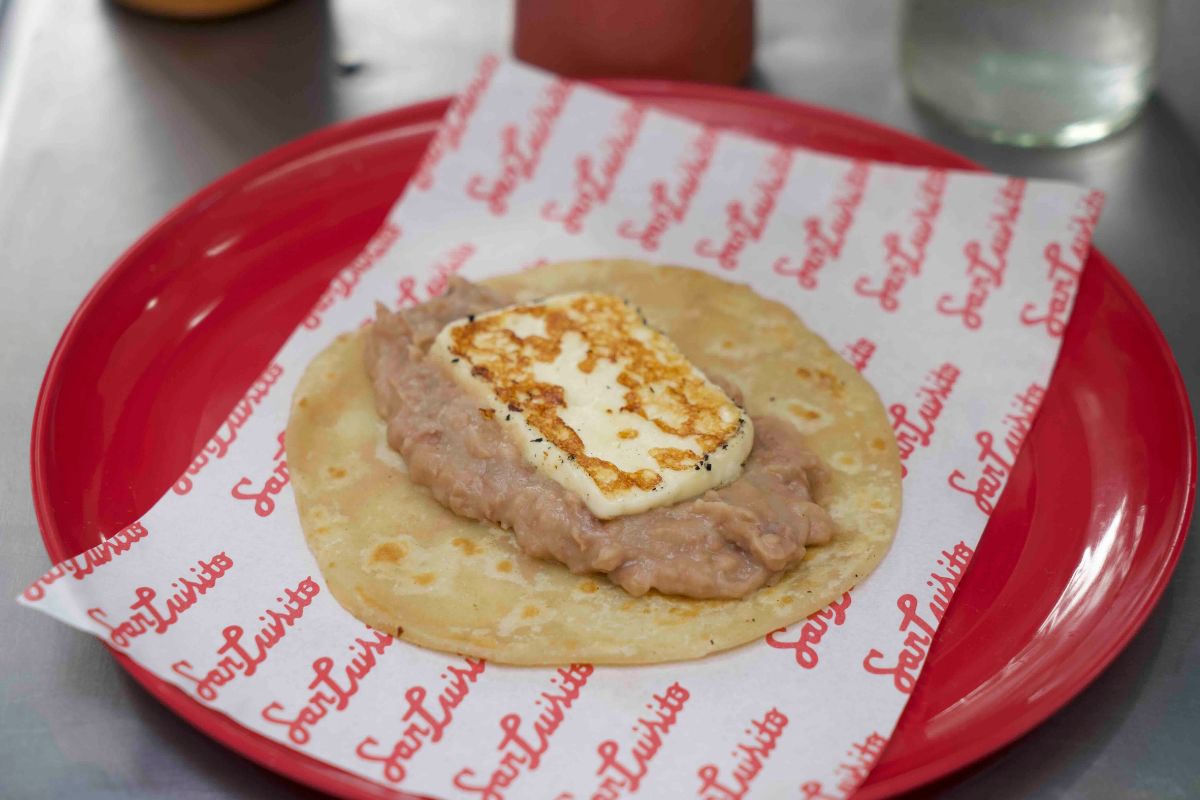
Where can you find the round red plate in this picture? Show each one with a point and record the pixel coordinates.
(1075, 556)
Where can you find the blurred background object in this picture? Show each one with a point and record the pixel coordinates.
(1032, 72)
(689, 40)
(195, 9)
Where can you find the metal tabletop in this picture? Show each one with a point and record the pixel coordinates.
(109, 119)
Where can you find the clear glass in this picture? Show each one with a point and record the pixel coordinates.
(1032, 72)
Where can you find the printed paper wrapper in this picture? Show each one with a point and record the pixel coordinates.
(949, 290)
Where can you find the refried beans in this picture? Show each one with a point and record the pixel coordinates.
(724, 543)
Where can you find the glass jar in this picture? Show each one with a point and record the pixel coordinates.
(1032, 72)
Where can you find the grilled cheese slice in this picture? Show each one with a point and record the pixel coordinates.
(599, 401)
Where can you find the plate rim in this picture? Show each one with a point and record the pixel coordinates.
(303, 767)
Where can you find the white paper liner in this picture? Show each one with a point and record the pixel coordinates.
(949, 290)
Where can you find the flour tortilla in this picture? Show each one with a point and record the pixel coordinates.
(405, 565)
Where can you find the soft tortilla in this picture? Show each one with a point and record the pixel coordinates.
(403, 564)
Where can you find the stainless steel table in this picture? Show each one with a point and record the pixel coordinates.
(109, 119)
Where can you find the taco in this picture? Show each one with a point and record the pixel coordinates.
(604, 462)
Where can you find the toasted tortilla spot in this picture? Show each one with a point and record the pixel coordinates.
(468, 547)
(847, 462)
(424, 578)
(786, 599)
(389, 553)
(589, 586)
(529, 612)
(504, 566)
(804, 413)
(336, 472)
(823, 378)
(810, 418)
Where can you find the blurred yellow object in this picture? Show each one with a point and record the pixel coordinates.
(195, 9)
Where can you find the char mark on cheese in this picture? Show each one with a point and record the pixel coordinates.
(739, 534)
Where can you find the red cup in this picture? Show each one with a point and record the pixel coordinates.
(711, 41)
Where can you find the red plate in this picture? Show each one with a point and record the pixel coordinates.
(1074, 558)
